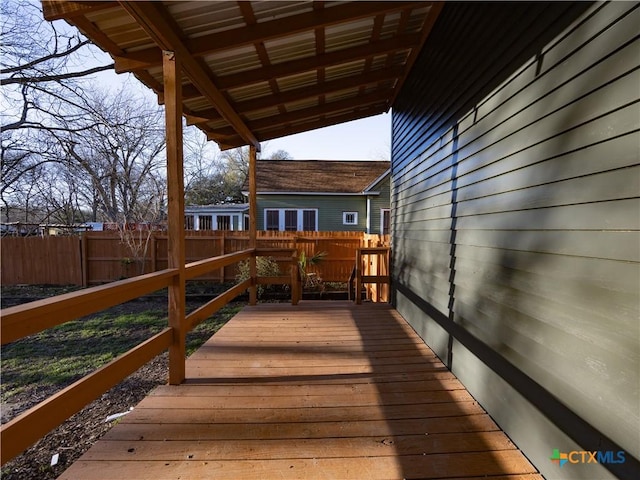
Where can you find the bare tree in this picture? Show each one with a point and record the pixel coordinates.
(120, 154)
(43, 74)
(40, 67)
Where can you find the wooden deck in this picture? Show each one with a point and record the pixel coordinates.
(319, 390)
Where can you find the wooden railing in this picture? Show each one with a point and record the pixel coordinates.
(375, 271)
(27, 319)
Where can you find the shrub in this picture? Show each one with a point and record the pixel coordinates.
(265, 266)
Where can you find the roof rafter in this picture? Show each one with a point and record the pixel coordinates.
(153, 19)
(295, 67)
(303, 93)
(56, 10)
(227, 142)
(376, 98)
(255, 70)
(260, 32)
(434, 11)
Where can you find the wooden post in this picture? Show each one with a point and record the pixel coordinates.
(358, 292)
(175, 202)
(84, 265)
(222, 240)
(295, 279)
(154, 253)
(253, 224)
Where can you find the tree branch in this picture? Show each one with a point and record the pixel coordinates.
(33, 63)
(54, 78)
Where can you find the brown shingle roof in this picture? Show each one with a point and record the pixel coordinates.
(328, 176)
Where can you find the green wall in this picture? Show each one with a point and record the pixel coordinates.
(379, 202)
(330, 209)
(515, 242)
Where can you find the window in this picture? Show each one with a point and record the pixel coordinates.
(224, 222)
(385, 221)
(309, 220)
(272, 220)
(349, 218)
(291, 219)
(205, 222)
(188, 222)
(246, 222)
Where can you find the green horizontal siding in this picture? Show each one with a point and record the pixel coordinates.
(516, 220)
(378, 202)
(330, 209)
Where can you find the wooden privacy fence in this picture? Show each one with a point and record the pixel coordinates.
(101, 257)
(41, 260)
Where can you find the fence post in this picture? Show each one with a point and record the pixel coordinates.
(153, 253)
(84, 262)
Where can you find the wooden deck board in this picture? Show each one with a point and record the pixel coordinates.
(321, 390)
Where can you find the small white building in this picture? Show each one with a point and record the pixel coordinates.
(234, 217)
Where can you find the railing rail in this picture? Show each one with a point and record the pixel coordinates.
(23, 320)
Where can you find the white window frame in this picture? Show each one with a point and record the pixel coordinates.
(300, 218)
(189, 221)
(382, 211)
(345, 217)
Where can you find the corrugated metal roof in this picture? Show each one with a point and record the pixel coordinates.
(282, 67)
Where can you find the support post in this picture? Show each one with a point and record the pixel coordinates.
(222, 241)
(253, 225)
(296, 288)
(358, 276)
(175, 203)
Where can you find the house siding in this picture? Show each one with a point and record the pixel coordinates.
(329, 207)
(378, 202)
(515, 182)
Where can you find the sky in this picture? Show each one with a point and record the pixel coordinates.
(365, 139)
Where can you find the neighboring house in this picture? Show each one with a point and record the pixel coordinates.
(323, 195)
(233, 217)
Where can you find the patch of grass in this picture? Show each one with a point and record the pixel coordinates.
(63, 354)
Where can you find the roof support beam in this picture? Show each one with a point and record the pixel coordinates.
(378, 97)
(55, 10)
(175, 211)
(294, 67)
(429, 22)
(152, 18)
(303, 93)
(229, 141)
(264, 31)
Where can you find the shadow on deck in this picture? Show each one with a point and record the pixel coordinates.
(318, 390)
